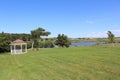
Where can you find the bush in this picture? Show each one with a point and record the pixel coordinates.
(62, 41)
(4, 45)
(47, 44)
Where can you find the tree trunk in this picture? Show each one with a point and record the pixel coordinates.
(32, 45)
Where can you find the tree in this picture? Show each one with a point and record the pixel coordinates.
(4, 43)
(110, 36)
(62, 41)
(36, 35)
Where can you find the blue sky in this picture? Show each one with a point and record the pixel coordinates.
(74, 18)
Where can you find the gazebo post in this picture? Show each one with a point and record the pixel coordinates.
(26, 48)
(14, 48)
(11, 48)
(21, 48)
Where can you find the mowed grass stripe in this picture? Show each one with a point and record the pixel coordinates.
(80, 63)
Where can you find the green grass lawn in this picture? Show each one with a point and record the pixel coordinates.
(79, 63)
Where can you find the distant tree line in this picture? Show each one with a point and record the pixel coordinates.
(34, 40)
(14, 36)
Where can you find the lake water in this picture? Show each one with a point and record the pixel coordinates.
(83, 43)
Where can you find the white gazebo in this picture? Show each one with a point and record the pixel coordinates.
(18, 47)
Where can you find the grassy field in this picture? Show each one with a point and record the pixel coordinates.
(79, 63)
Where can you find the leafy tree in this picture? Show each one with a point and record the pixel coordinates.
(4, 43)
(110, 36)
(62, 41)
(36, 35)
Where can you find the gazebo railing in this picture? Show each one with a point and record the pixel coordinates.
(17, 51)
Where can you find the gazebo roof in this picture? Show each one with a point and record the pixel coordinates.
(18, 42)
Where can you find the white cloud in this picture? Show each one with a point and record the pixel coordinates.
(114, 25)
(97, 35)
(116, 33)
(103, 34)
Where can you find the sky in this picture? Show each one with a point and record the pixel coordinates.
(74, 18)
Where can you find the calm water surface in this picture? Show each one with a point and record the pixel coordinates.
(83, 43)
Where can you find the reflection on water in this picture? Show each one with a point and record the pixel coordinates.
(83, 43)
